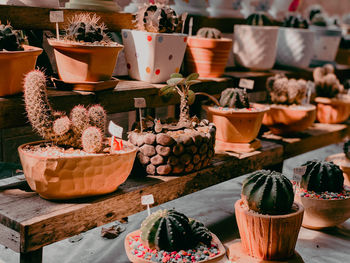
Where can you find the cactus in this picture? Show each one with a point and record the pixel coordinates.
(346, 149)
(268, 192)
(326, 82)
(200, 233)
(319, 20)
(77, 131)
(208, 32)
(295, 21)
(234, 98)
(321, 176)
(10, 39)
(258, 19)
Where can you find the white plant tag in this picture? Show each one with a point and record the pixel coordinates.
(147, 200)
(115, 130)
(246, 83)
(56, 16)
(139, 103)
(298, 173)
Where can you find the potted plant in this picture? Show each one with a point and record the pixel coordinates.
(323, 196)
(268, 219)
(16, 59)
(288, 112)
(75, 160)
(255, 44)
(237, 121)
(86, 53)
(170, 236)
(207, 53)
(180, 147)
(332, 106)
(295, 43)
(96, 5)
(154, 50)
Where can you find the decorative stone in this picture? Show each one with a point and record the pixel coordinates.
(178, 149)
(143, 158)
(192, 149)
(189, 167)
(133, 138)
(196, 158)
(163, 150)
(149, 138)
(151, 169)
(157, 160)
(164, 169)
(203, 149)
(140, 140)
(173, 160)
(178, 168)
(148, 150)
(186, 158)
(164, 139)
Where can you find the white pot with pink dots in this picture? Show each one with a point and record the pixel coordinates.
(153, 57)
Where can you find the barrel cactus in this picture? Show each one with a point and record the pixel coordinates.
(234, 98)
(208, 32)
(326, 82)
(321, 176)
(295, 21)
(268, 192)
(10, 39)
(258, 19)
(200, 233)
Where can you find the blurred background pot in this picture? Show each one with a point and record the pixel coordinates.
(96, 5)
(332, 110)
(344, 164)
(224, 8)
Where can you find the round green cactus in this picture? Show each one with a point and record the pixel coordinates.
(258, 19)
(234, 98)
(295, 21)
(321, 176)
(268, 192)
(200, 233)
(209, 32)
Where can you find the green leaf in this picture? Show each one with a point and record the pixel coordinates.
(176, 75)
(191, 97)
(192, 76)
(191, 82)
(165, 90)
(175, 81)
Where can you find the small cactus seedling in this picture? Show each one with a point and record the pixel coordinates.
(200, 233)
(10, 39)
(326, 82)
(258, 19)
(295, 21)
(209, 32)
(234, 98)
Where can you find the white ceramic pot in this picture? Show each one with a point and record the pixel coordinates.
(195, 7)
(153, 57)
(255, 46)
(295, 47)
(36, 3)
(279, 8)
(225, 8)
(96, 5)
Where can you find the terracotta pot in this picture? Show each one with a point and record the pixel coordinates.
(281, 119)
(76, 176)
(320, 213)
(332, 110)
(269, 237)
(236, 126)
(136, 259)
(207, 57)
(344, 164)
(13, 66)
(80, 62)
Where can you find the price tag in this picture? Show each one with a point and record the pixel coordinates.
(246, 83)
(139, 103)
(56, 16)
(298, 173)
(147, 199)
(115, 130)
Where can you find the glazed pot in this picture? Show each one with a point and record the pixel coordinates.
(78, 62)
(323, 213)
(295, 47)
(332, 110)
(344, 164)
(282, 119)
(255, 47)
(71, 177)
(224, 8)
(207, 57)
(96, 5)
(268, 237)
(13, 66)
(153, 57)
(194, 7)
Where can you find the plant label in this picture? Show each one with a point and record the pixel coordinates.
(147, 199)
(56, 16)
(246, 83)
(115, 129)
(298, 173)
(139, 103)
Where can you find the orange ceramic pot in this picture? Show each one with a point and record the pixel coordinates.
(236, 126)
(78, 62)
(208, 57)
(344, 164)
(281, 119)
(268, 237)
(13, 66)
(332, 110)
(76, 176)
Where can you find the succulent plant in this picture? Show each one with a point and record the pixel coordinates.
(84, 128)
(326, 82)
(200, 233)
(321, 176)
(258, 19)
(286, 91)
(295, 21)
(209, 32)
(10, 39)
(268, 192)
(319, 19)
(346, 149)
(234, 98)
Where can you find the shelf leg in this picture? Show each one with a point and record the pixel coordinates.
(35, 256)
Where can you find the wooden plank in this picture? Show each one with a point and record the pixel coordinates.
(11, 182)
(10, 238)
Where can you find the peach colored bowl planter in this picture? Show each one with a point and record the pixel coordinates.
(236, 126)
(321, 213)
(80, 62)
(332, 110)
(282, 119)
(270, 237)
(136, 259)
(13, 66)
(76, 176)
(207, 57)
(344, 164)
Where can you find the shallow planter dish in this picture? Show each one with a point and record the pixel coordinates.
(153, 57)
(136, 259)
(282, 119)
(332, 110)
(208, 57)
(13, 66)
(269, 237)
(77, 62)
(76, 176)
(344, 164)
(295, 47)
(255, 47)
(321, 213)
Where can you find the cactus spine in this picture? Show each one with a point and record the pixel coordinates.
(234, 98)
(10, 39)
(208, 32)
(258, 19)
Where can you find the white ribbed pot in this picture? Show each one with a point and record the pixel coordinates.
(295, 47)
(224, 8)
(96, 5)
(255, 46)
(195, 7)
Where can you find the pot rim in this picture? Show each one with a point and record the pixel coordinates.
(303, 30)
(306, 107)
(322, 200)
(27, 49)
(223, 39)
(332, 101)
(71, 44)
(263, 108)
(156, 33)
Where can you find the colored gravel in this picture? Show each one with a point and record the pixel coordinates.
(324, 195)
